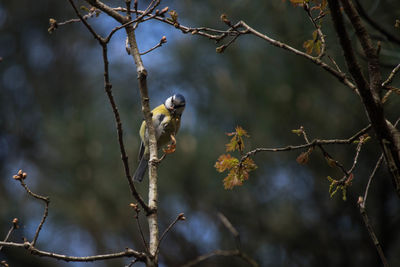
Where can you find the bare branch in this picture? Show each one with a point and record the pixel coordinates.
(13, 227)
(142, 79)
(336, 163)
(126, 253)
(92, 31)
(315, 142)
(377, 165)
(137, 210)
(228, 225)
(391, 76)
(358, 149)
(107, 88)
(21, 176)
(369, 93)
(362, 207)
(372, 234)
(180, 217)
(363, 201)
(162, 41)
(124, 156)
(153, 4)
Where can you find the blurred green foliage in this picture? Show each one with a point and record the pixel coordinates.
(57, 125)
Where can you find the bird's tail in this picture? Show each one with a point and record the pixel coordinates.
(141, 169)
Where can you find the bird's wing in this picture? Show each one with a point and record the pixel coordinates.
(161, 117)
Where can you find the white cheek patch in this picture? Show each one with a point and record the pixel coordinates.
(168, 103)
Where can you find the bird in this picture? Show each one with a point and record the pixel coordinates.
(166, 120)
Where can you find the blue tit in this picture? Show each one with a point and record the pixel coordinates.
(166, 121)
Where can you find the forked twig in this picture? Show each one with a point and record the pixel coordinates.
(21, 176)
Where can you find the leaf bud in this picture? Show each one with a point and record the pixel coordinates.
(181, 217)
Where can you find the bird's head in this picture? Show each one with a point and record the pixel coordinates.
(175, 104)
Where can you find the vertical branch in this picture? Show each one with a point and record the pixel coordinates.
(153, 196)
(152, 260)
(369, 93)
(372, 234)
(124, 156)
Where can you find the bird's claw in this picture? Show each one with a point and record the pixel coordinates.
(171, 147)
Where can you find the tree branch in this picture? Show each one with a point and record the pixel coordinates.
(152, 260)
(362, 207)
(180, 217)
(13, 227)
(369, 93)
(391, 76)
(162, 41)
(372, 234)
(315, 142)
(107, 87)
(127, 253)
(21, 176)
(218, 35)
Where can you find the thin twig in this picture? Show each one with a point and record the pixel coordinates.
(377, 165)
(334, 63)
(137, 210)
(124, 156)
(132, 263)
(340, 76)
(108, 38)
(228, 225)
(372, 234)
(337, 163)
(358, 149)
(391, 76)
(107, 87)
(85, 17)
(92, 31)
(362, 207)
(153, 4)
(315, 142)
(46, 200)
(126, 253)
(162, 41)
(180, 217)
(13, 227)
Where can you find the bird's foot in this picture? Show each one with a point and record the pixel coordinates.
(171, 147)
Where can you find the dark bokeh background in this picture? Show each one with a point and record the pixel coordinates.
(57, 125)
